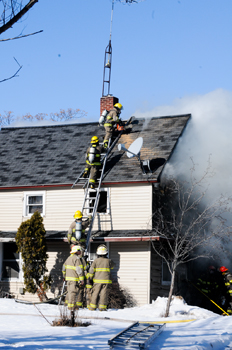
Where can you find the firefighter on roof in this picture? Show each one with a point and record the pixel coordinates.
(227, 276)
(76, 232)
(99, 272)
(112, 119)
(93, 161)
(73, 274)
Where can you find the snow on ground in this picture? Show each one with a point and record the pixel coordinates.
(187, 328)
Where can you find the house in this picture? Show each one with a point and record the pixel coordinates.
(38, 167)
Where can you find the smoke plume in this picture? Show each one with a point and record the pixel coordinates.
(207, 136)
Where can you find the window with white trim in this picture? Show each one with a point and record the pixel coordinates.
(34, 201)
(11, 265)
(103, 203)
(166, 275)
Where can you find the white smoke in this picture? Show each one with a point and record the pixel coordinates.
(207, 135)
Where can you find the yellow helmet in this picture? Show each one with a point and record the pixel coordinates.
(94, 139)
(78, 214)
(102, 250)
(75, 249)
(119, 106)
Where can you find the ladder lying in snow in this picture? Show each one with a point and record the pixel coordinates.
(136, 336)
(85, 181)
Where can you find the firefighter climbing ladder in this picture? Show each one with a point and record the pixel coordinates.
(86, 203)
(87, 199)
(136, 336)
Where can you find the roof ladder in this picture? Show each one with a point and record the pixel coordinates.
(136, 336)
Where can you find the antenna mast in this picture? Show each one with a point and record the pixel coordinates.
(107, 61)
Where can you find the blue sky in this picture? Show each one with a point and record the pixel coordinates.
(163, 50)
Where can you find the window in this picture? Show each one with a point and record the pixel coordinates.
(34, 201)
(11, 263)
(166, 276)
(103, 203)
(92, 251)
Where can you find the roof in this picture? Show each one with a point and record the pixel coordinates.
(107, 236)
(55, 155)
(9, 236)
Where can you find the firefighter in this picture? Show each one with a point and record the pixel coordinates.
(93, 161)
(227, 276)
(88, 289)
(73, 274)
(76, 232)
(112, 119)
(99, 272)
(209, 283)
(85, 291)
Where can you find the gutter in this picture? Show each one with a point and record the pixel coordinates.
(126, 239)
(7, 239)
(115, 239)
(70, 185)
(104, 239)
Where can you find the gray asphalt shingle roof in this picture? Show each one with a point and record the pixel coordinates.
(50, 155)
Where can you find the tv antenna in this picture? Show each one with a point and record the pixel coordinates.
(107, 61)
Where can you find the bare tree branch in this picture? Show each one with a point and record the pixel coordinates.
(61, 116)
(14, 75)
(188, 223)
(16, 17)
(22, 36)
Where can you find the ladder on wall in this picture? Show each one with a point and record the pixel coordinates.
(86, 207)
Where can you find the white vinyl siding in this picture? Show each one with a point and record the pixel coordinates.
(11, 204)
(130, 208)
(61, 204)
(58, 253)
(132, 268)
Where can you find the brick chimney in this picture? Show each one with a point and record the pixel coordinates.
(107, 102)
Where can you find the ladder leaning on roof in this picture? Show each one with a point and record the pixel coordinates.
(87, 207)
(86, 203)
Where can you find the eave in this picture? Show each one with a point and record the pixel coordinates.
(126, 239)
(70, 185)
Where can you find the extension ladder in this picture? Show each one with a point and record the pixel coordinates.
(136, 336)
(85, 181)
